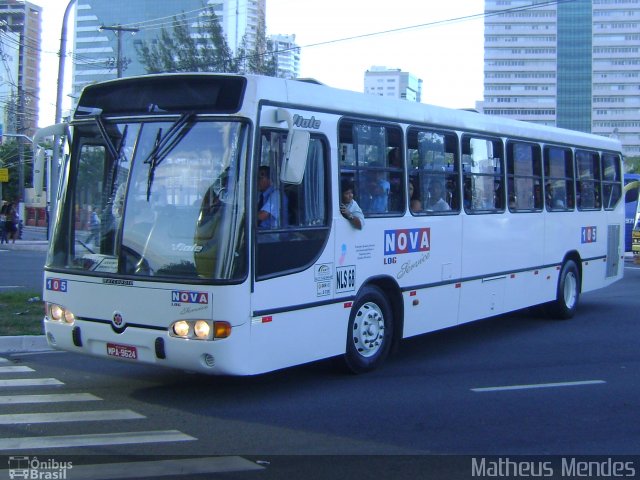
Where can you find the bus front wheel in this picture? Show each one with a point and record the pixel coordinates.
(370, 331)
(568, 292)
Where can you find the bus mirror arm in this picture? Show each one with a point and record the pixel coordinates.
(296, 149)
(57, 130)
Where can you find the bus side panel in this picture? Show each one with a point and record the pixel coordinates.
(494, 247)
(296, 337)
(431, 309)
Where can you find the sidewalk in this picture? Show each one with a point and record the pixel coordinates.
(25, 343)
(33, 239)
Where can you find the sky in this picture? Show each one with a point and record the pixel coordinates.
(446, 55)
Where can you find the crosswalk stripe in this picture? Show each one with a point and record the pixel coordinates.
(81, 416)
(48, 398)
(29, 382)
(15, 368)
(155, 469)
(88, 440)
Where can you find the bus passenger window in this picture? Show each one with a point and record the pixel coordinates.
(371, 154)
(558, 173)
(482, 167)
(524, 169)
(433, 175)
(611, 180)
(588, 180)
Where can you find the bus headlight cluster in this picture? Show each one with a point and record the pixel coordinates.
(58, 313)
(200, 329)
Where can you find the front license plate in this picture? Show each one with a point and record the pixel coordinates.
(122, 351)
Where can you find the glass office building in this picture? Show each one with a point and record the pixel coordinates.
(97, 52)
(569, 64)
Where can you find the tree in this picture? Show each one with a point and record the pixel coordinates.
(204, 50)
(261, 60)
(181, 51)
(632, 164)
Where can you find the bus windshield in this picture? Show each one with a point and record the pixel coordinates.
(154, 199)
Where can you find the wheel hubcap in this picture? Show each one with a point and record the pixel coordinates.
(570, 290)
(368, 329)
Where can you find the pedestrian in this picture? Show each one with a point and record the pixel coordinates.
(3, 223)
(94, 225)
(11, 222)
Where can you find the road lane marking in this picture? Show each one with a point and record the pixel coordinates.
(81, 416)
(15, 368)
(88, 440)
(160, 468)
(538, 385)
(48, 398)
(29, 382)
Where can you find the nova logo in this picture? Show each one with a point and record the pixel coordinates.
(407, 241)
(189, 297)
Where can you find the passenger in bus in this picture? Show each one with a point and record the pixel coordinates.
(377, 188)
(349, 208)
(415, 205)
(436, 201)
(269, 200)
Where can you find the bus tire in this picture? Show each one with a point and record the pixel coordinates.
(568, 292)
(370, 331)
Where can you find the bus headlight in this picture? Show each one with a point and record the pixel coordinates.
(200, 329)
(58, 313)
(181, 328)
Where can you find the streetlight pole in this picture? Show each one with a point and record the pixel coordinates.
(55, 161)
(61, 61)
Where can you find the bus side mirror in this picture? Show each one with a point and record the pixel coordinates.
(38, 171)
(295, 157)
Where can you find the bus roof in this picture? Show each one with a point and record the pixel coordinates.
(313, 95)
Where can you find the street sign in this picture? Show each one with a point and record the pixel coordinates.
(4, 174)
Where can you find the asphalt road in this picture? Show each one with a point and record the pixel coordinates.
(513, 385)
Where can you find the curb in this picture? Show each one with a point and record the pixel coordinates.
(30, 245)
(24, 343)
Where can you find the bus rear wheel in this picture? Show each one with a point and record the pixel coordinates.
(370, 331)
(568, 292)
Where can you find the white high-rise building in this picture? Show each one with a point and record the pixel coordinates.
(287, 54)
(392, 82)
(570, 64)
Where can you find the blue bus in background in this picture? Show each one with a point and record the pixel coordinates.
(631, 203)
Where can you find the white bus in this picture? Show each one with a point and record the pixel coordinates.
(182, 269)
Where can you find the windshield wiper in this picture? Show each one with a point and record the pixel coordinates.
(115, 153)
(164, 144)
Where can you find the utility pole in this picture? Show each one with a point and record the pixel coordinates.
(119, 29)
